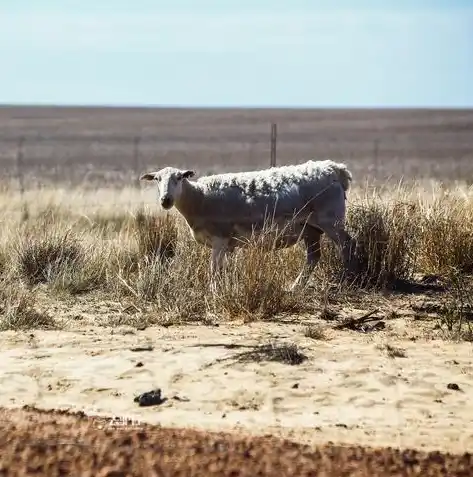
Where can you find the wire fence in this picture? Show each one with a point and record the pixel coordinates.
(116, 160)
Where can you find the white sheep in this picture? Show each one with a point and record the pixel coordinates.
(223, 210)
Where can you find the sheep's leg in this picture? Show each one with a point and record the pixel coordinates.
(219, 248)
(331, 219)
(311, 238)
(345, 242)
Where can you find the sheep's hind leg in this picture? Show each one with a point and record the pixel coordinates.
(219, 248)
(311, 238)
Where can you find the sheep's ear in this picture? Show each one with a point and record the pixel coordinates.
(149, 176)
(187, 174)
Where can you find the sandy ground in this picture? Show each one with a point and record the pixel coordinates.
(348, 390)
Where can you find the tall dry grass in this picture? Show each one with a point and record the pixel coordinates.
(118, 244)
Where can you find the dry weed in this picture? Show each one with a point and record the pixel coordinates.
(315, 332)
(286, 353)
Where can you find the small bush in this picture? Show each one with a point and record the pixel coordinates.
(387, 238)
(447, 236)
(43, 255)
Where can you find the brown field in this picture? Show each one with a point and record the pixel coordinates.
(84, 145)
(102, 298)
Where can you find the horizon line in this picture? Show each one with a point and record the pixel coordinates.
(232, 107)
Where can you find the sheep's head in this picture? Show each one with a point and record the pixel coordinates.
(169, 182)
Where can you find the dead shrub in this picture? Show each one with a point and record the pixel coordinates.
(286, 353)
(43, 255)
(447, 236)
(387, 237)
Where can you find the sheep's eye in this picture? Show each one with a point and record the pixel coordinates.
(178, 177)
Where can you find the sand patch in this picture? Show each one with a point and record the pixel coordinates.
(347, 390)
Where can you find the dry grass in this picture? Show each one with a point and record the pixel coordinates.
(315, 332)
(287, 353)
(117, 245)
(393, 351)
(18, 308)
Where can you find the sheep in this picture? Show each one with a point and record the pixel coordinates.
(223, 210)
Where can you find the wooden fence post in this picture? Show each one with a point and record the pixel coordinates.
(19, 172)
(274, 136)
(136, 156)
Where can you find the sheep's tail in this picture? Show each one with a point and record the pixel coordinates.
(343, 175)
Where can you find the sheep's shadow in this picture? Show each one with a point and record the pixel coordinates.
(361, 280)
(412, 287)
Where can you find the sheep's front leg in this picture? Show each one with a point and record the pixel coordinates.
(346, 244)
(311, 237)
(219, 247)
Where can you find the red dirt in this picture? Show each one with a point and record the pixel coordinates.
(57, 443)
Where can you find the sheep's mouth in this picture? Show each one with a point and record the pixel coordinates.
(167, 203)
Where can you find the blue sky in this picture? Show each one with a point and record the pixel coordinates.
(345, 53)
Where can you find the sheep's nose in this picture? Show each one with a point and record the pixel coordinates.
(166, 202)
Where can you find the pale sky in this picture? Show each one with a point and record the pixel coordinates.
(327, 53)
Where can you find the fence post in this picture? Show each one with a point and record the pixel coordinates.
(19, 172)
(376, 154)
(274, 135)
(136, 156)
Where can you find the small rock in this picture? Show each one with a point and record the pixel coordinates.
(150, 398)
(295, 386)
(224, 416)
(139, 364)
(453, 386)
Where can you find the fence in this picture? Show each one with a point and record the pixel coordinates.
(116, 160)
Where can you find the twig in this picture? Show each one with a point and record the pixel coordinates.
(353, 323)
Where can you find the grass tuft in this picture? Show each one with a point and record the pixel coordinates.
(17, 308)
